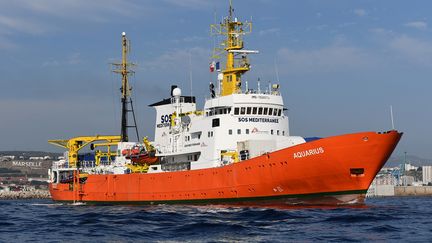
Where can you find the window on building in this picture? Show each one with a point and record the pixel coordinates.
(215, 122)
(260, 110)
(254, 110)
(242, 110)
(249, 110)
(236, 111)
(230, 131)
(238, 131)
(265, 111)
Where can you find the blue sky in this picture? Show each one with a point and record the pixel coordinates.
(341, 64)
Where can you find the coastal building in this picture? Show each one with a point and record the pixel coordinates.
(409, 167)
(407, 180)
(383, 184)
(427, 174)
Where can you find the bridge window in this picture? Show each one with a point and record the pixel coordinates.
(242, 110)
(275, 112)
(236, 111)
(270, 112)
(254, 110)
(265, 111)
(280, 112)
(260, 110)
(248, 110)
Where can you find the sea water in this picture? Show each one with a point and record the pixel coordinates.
(381, 219)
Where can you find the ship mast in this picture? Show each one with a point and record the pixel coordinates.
(124, 69)
(233, 30)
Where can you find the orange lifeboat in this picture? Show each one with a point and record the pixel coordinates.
(143, 157)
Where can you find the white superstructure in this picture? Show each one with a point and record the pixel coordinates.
(229, 128)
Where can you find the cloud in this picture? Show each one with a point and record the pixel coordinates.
(271, 31)
(347, 24)
(420, 25)
(191, 4)
(9, 25)
(189, 39)
(360, 12)
(333, 58)
(6, 44)
(381, 31)
(79, 9)
(43, 16)
(74, 58)
(177, 59)
(412, 49)
(71, 59)
(403, 48)
(50, 63)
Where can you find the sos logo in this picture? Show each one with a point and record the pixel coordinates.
(166, 118)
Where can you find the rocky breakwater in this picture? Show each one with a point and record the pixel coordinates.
(34, 194)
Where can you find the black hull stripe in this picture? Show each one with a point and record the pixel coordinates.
(239, 200)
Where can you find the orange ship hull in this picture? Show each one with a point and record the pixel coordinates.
(331, 170)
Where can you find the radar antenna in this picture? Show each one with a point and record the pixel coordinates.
(236, 61)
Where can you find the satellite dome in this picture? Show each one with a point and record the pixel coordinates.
(176, 92)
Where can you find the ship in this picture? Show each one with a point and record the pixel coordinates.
(237, 150)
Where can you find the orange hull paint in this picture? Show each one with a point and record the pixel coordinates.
(323, 175)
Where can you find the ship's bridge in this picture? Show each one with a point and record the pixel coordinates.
(251, 100)
(246, 113)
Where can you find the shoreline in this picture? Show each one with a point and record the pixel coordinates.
(36, 194)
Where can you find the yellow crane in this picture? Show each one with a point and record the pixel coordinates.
(74, 145)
